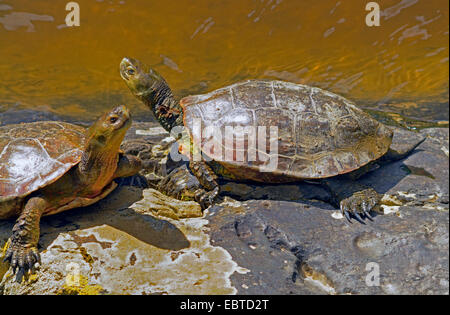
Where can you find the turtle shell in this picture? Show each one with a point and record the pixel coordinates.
(33, 155)
(320, 134)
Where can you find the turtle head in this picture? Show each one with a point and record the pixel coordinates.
(101, 152)
(140, 78)
(149, 87)
(109, 130)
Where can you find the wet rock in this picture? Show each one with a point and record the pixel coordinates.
(16, 116)
(295, 248)
(119, 246)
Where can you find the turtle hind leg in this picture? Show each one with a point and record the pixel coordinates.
(22, 253)
(353, 199)
(360, 204)
(208, 180)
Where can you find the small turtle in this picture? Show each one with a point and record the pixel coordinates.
(49, 167)
(321, 135)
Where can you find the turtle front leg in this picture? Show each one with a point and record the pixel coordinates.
(354, 200)
(208, 180)
(128, 165)
(180, 184)
(22, 252)
(198, 183)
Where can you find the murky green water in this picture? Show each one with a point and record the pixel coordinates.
(400, 67)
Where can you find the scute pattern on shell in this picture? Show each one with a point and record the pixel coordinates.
(320, 134)
(33, 155)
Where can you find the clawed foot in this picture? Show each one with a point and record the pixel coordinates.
(360, 204)
(183, 185)
(22, 258)
(180, 184)
(206, 198)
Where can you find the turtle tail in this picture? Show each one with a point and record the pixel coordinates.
(398, 152)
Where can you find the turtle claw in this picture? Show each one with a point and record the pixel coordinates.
(358, 218)
(359, 205)
(368, 216)
(347, 216)
(22, 259)
(366, 211)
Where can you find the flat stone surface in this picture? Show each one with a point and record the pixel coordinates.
(287, 245)
(119, 246)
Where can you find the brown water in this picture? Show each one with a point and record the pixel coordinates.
(399, 67)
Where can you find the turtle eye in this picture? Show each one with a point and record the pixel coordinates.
(112, 120)
(130, 71)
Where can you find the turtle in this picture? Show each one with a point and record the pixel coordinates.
(321, 136)
(48, 167)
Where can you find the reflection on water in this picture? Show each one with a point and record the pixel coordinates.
(15, 20)
(399, 67)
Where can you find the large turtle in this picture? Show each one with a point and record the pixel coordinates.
(321, 135)
(49, 167)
